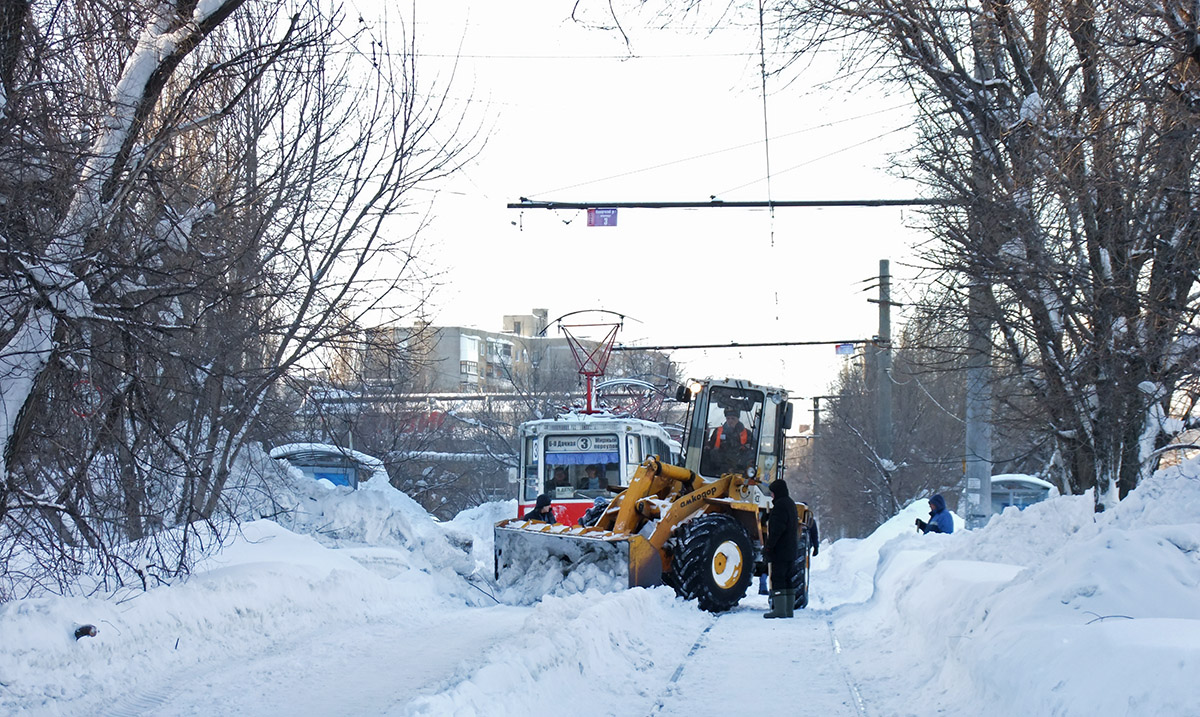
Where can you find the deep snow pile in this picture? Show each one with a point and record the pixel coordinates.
(1054, 610)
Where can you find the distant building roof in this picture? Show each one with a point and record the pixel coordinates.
(317, 451)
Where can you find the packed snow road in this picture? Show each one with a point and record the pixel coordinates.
(788, 665)
(489, 660)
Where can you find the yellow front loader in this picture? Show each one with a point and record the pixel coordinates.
(703, 537)
(696, 527)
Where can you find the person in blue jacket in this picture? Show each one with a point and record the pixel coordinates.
(940, 520)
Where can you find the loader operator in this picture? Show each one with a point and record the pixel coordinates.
(729, 445)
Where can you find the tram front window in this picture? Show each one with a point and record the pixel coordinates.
(581, 466)
(580, 480)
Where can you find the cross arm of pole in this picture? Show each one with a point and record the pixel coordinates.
(525, 203)
(736, 345)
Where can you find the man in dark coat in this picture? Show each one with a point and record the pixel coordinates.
(541, 510)
(940, 520)
(780, 550)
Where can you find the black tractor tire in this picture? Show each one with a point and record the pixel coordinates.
(713, 561)
(800, 570)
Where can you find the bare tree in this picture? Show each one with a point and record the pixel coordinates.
(1065, 135)
(233, 201)
(852, 487)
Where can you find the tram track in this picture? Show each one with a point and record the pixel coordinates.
(858, 703)
(786, 663)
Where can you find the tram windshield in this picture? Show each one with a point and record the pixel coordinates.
(581, 466)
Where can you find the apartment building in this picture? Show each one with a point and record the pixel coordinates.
(458, 359)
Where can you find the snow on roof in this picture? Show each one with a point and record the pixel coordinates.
(1022, 478)
(293, 450)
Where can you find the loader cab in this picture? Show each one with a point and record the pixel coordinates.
(577, 457)
(737, 427)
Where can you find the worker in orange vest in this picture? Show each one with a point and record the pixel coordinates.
(730, 443)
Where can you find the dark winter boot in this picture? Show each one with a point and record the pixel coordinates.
(788, 598)
(762, 584)
(777, 605)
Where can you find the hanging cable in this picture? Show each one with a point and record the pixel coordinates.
(762, 65)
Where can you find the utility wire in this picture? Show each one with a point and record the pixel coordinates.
(762, 58)
(825, 125)
(827, 155)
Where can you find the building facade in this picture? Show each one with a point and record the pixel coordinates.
(423, 358)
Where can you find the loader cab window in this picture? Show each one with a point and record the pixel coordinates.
(733, 426)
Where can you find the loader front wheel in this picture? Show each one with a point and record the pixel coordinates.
(713, 561)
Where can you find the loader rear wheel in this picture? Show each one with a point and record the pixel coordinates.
(800, 570)
(713, 561)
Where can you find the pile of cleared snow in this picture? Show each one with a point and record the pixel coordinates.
(478, 522)
(1050, 610)
(331, 555)
(265, 585)
(376, 515)
(844, 571)
(535, 572)
(590, 646)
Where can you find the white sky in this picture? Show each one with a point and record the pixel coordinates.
(568, 119)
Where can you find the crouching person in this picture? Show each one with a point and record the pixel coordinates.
(940, 520)
(541, 510)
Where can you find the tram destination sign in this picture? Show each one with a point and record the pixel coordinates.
(582, 444)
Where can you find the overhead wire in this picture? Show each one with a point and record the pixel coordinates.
(827, 155)
(766, 132)
(705, 155)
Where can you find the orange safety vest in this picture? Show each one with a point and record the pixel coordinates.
(743, 436)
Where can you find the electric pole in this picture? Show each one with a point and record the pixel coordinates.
(977, 453)
(882, 355)
(884, 364)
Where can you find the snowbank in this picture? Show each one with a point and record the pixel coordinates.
(1053, 610)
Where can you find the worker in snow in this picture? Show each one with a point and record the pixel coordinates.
(940, 520)
(729, 444)
(780, 549)
(541, 510)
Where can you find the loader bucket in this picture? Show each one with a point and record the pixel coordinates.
(522, 546)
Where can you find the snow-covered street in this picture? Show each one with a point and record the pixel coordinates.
(1049, 611)
(718, 677)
